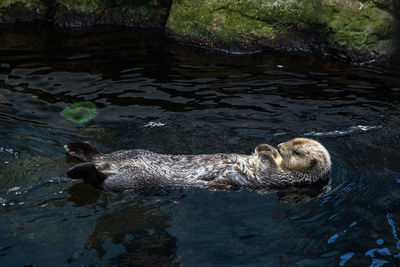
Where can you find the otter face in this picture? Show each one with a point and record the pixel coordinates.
(305, 155)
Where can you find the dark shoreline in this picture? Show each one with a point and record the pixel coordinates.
(49, 15)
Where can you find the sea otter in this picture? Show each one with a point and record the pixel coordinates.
(300, 161)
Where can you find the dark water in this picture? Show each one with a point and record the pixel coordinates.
(168, 98)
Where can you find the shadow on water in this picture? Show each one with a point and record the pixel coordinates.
(175, 99)
(134, 233)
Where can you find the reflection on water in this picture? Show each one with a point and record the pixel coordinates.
(168, 98)
(133, 233)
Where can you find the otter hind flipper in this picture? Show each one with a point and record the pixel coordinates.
(86, 171)
(82, 150)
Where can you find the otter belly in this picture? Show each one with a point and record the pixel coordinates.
(138, 169)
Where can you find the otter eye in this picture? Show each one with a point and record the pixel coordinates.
(297, 153)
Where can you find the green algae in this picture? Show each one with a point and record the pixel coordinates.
(25, 10)
(359, 25)
(80, 112)
(116, 9)
(229, 20)
(352, 25)
(150, 13)
(26, 3)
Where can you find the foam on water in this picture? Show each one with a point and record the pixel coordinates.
(348, 131)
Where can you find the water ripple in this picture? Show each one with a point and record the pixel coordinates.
(350, 130)
(167, 98)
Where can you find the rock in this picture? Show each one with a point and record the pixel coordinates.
(358, 30)
(355, 30)
(150, 13)
(78, 13)
(21, 10)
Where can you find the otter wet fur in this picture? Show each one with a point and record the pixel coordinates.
(300, 161)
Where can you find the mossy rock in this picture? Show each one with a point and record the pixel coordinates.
(354, 27)
(80, 112)
(21, 5)
(358, 29)
(150, 13)
(21, 10)
(230, 21)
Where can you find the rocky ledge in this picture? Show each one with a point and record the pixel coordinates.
(83, 13)
(355, 30)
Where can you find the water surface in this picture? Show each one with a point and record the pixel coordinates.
(168, 98)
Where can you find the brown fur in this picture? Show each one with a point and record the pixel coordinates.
(300, 161)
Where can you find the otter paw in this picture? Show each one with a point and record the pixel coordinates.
(269, 153)
(86, 171)
(267, 149)
(84, 151)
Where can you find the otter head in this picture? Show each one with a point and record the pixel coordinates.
(306, 156)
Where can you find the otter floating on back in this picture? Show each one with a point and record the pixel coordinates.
(300, 161)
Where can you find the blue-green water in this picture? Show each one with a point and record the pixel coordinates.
(168, 98)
